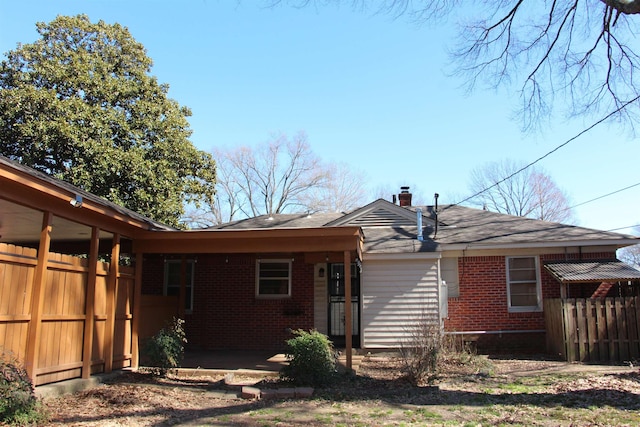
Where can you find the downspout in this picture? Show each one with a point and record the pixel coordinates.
(419, 221)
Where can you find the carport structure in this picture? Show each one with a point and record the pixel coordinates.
(68, 311)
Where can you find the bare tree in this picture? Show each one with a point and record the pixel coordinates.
(527, 192)
(281, 176)
(631, 254)
(580, 50)
(343, 191)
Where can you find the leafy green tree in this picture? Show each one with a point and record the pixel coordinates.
(80, 104)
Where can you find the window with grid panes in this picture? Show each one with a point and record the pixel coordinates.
(273, 278)
(523, 284)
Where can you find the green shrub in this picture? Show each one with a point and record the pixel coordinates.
(165, 350)
(311, 359)
(18, 403)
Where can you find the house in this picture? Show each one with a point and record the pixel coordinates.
(247, 284)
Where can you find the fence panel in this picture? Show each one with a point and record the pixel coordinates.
(60, 348)
(594, 330)
(17, 267)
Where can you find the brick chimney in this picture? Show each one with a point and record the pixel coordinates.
(404, 197)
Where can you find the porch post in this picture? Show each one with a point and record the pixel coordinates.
(90, 301)
(37, 301)
(182, 294)
(112, 284)
(348, 321)
(135, 324)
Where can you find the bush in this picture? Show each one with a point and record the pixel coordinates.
(419, 352)
(165, 350)
(18, 403)
(311, 359)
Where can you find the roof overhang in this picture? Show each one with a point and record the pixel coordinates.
(321, 239)
(592, 271)
(26, 187)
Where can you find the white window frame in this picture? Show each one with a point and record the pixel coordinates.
(259, 278)
(524, 308)
(189, 283)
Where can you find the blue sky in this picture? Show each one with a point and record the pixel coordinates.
(368, 90)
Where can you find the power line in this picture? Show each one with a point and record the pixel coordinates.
(606, 195)
(578, 135)
(624, 228)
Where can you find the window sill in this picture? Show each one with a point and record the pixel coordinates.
(516, 310)
(272, 297)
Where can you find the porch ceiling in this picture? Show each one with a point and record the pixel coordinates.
(592, 271)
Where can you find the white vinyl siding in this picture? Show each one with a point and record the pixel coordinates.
(395, 295)
(449, 273)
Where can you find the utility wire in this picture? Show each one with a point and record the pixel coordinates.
(603, 119)
(623, 228)
(606, 195)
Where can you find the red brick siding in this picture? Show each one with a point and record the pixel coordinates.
(482, 304)
(226, 312)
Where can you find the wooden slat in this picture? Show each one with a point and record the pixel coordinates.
(592, 330)
(583, 338)
(603, 338)
(570, 329)
(632, 332)
(621, 318)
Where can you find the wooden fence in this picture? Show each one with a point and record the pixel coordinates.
(593, 330)
(72, 316)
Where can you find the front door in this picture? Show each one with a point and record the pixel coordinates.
(337, 305)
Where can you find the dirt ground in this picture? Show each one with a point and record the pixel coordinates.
(478, 391)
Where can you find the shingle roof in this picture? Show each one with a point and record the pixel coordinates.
(460, 224)
(387, 228)
(280, 221)
(599, 271)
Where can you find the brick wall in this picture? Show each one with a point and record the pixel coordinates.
(482, 304)
(226, 313)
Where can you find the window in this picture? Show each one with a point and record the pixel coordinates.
(523, 284)
(172, 269)
(273, 278)
(449, 273)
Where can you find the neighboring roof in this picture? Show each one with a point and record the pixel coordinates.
(592, 271)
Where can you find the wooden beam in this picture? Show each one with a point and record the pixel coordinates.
(135, 322)
(348, 321)
(112, 283)
(37, 301)
(322, 240)
(90, 301)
